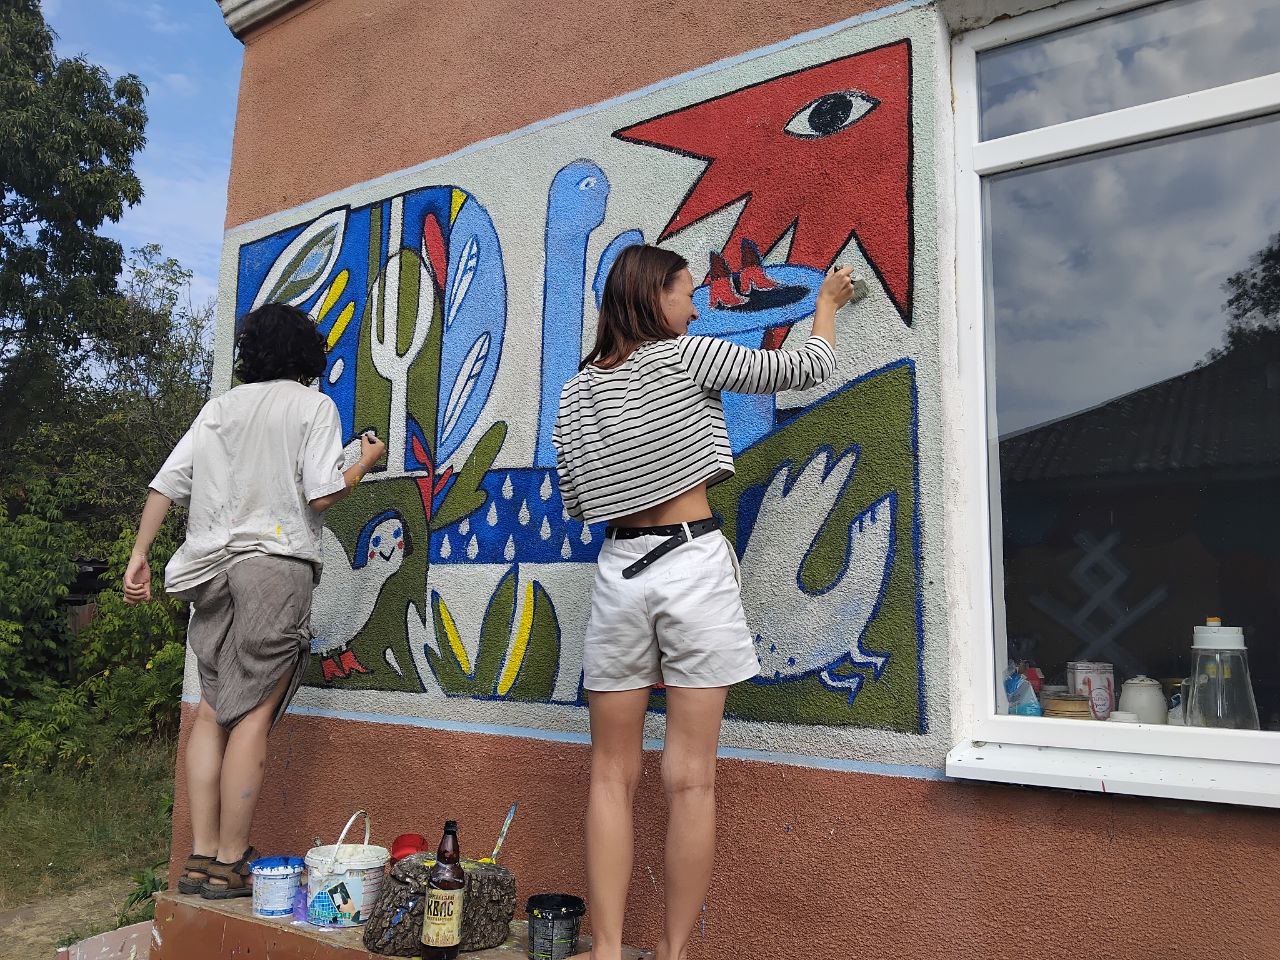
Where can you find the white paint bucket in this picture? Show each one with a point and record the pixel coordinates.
(275, 881)
(344, 879)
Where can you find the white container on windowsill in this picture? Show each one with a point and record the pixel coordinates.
(1145, 697)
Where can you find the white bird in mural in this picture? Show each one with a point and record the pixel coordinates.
(798, 632)
(348, 590)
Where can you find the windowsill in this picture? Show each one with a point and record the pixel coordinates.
(1180, 778)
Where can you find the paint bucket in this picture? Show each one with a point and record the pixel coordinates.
(553, 925)
(344, 879)
(275, 882)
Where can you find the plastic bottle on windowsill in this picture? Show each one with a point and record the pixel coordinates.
(1022, 698)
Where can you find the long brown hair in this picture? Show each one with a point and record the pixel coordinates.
(631, 308)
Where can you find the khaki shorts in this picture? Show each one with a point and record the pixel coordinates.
(679, 622)
(250, 626)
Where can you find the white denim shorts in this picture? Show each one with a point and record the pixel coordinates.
(679, 622)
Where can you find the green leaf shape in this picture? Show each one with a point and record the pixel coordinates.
(373, 393)
(466, 495)
(536, 681)
(292, 282)
(495, 639)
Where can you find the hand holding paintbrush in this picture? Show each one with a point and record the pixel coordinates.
(837, 289)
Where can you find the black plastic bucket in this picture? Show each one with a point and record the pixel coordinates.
(554, 919)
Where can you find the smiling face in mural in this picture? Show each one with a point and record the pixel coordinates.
(386, 545)
(677, 304)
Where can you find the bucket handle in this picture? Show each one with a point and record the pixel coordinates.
(337, 850)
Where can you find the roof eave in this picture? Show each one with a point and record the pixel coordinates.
(242, 16)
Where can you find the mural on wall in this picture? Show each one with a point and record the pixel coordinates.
(455, 571)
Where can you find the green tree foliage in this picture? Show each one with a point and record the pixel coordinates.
(37, 568)
(69, 699)
(1253, 306)
(1252, 309)
(66, 168)
(128, 407)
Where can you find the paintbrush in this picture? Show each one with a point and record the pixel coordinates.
(860, 288)
(502, 835)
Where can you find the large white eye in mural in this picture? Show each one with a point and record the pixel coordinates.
(831, 113)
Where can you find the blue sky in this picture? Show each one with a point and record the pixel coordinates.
(190, 63)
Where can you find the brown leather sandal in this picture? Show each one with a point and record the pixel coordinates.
(196, 863)
(235, 877)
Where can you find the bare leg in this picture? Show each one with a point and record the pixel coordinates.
(689, 776)
(204, 768)
(617, 736)
(242, 769)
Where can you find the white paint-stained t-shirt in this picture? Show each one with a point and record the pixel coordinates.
(636, 435)
(247, 470)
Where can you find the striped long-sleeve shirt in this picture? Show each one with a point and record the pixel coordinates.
(636, 435)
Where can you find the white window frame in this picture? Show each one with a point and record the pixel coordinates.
(1168, 761)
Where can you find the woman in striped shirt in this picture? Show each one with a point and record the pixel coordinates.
(639, 437)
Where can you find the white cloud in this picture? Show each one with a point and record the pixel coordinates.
(159, 19)
(157, 15)
(1140, 57)
(180, 84)
(183, 210)
(1108, 270)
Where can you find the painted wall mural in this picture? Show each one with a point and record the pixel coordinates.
(455, 571)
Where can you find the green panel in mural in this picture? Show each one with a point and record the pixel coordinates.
(866, 435)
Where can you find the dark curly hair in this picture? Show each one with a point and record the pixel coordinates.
(278, 342)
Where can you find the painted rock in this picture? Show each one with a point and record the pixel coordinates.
(395, 925)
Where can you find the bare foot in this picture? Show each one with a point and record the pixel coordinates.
(663, 952)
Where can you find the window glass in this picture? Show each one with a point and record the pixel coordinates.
(1139, 57)
(1133, 306)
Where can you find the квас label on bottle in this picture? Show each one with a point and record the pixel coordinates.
(442, 918)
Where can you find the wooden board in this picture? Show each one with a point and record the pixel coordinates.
(189, 928)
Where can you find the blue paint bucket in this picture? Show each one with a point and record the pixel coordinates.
(275, 882)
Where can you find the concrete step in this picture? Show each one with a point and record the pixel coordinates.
(190, 928)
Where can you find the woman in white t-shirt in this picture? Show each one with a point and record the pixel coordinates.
(639, 437)
(256, 470)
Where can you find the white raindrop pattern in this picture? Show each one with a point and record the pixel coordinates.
(518, 504)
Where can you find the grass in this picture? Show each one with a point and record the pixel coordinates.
(79, 933)
(64, 830)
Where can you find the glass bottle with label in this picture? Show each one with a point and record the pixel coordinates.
(442, 911)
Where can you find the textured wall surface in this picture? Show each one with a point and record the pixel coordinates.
(455, 291)
(338, 91)
(818, 863)
(456, 299)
